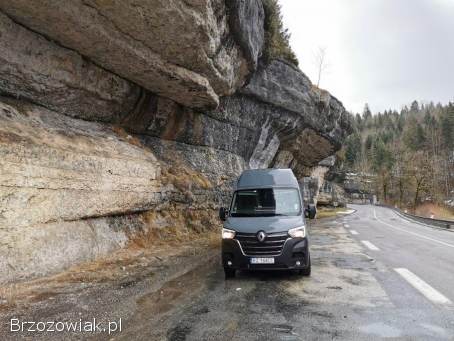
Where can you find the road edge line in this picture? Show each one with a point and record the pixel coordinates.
(413, 233)
(369, 245)
(423, 287)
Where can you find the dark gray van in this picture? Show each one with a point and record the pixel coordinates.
(264, 227)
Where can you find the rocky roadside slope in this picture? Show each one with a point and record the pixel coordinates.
(118, 120)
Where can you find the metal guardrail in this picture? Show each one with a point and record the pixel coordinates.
(445, 224)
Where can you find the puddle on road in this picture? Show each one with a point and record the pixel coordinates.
(157, 305)
(165, 299)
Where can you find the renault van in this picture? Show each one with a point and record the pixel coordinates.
(264, 228)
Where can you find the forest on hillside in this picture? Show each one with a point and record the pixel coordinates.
(409, 154)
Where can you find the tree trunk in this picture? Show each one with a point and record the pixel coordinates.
(418, 188)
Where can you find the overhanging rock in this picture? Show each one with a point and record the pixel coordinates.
(182, 50)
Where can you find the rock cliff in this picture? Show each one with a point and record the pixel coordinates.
(120, 118)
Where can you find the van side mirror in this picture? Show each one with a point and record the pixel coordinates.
(311, 211)
(222, 213)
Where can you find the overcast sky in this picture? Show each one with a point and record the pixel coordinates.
(383, 52)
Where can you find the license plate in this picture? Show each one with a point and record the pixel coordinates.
(262, 260)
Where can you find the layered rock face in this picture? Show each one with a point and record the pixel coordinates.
(279, 118)
(182, 50)
(39, 71)
(56, 172)
(120, 118)
(55, 167)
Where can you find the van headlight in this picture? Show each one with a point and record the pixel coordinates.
(297, 232)
(228, 234)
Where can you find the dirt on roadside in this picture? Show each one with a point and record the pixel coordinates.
(124, 285)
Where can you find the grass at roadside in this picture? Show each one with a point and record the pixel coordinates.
(439, 212)
(329, 212)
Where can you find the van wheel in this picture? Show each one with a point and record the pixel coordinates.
(307, 271)
(229, 273)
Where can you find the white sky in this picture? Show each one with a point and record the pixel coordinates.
(383, 52)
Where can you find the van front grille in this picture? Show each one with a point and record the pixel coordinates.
(271, 246)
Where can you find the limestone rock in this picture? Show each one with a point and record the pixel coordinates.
(177, 49)
(166, 72)
(252, 129)
(247, 18)
(55, 168)
(38, 250)
(35, 69)
(285, 86)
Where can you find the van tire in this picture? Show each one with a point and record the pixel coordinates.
(229, 273)
(307, 271)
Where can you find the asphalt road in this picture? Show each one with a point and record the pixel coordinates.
(417, 274)
(425, 251)
(375, 276)
(392, 279)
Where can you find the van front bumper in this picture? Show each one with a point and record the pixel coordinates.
(294, 250)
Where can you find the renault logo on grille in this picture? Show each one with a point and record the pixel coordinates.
(261, 236)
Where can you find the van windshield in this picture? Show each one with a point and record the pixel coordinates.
(266, 202)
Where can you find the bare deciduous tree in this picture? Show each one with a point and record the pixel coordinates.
(420, 170)
(321, 63)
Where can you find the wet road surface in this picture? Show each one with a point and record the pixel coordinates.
(375, 276)
(354, 293)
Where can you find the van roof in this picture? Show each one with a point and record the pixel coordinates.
(258, 178)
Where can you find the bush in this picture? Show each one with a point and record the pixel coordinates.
(277, 38)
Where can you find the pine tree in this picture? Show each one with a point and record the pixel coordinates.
(447, 127)
(366, 112)
(368, 143)
(400, 122)
(427, 118)
(414, 136)
(420, 138)
(353, 149)
(414, 108)
(358, 122)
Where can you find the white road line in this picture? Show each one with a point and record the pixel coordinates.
(413, 233)
(370, 246)
(346, 225)
(353, 232)
(424, 288)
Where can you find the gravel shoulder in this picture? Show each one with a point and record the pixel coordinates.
(119, 286)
